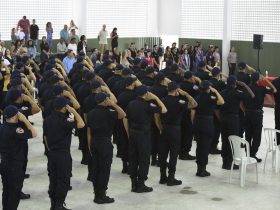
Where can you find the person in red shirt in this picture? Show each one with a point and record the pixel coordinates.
(25, 25)
(149, 59)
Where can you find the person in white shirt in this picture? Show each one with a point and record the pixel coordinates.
(61, 49)
(102, 38)
(73, 46)
(21, 34)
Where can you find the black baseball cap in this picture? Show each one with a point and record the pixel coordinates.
(141, 90)
(172, 86)
(100, 97)
(10, 111)
(60, 102)
(188, 74)
(129, 80)
(205, 85)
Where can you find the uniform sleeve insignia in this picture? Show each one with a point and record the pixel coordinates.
(19, 130)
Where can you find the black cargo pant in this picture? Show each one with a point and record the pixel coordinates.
(12, 174)
(186, 133)
(59, 170)
(169, 143)
(277, 121)
(204, 131)
(229, 126)
(155, 136)
(217, 132)
(102, 156)
(253, 129)
(139, 152)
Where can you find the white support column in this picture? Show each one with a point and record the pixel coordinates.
(226, 34)
(80, 15)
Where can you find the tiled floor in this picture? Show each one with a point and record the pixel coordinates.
(212, 193)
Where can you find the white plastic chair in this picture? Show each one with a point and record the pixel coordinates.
(271, 141)
(241, 158)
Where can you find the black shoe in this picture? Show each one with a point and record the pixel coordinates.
(154, 162)
(103, 200)
(235, 167)
(133, 184)
(201, 171)
(163, 180)
(142, 188)
(26, 176)
(125, 168)
(61, 207)
(257, 159)
(24, 196)
(84, 162)
(171, 181)
(70, 188)
(89, 178)
(186, 157)
(215, 152)
(52, 204)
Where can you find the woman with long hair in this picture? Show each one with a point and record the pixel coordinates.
(114, 38)
(232, 60)
(31, 49)
(82, 44)
(49, 31)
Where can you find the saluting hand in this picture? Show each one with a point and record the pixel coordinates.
(70, 109)
(21, 117)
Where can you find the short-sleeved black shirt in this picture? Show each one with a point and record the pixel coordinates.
(276, 83)
(175, 77)
(140, 112)
(203, 75)
(219, 85)
(206, 104)
(113, 80)
(159, 90)
(141, 74)
(190, 88)
(257, 102)
(11, 137)
(125, 97)
(175, 109)
(34, 29)
(83, 92)
(105, 74)
(148, 81)
(101, 120)
(232, 98)
(243, 77)
(89, 103)
(119, 87)
(58, 130)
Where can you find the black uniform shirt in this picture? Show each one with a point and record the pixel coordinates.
(243, 77)
(101, 121)
(119, 87)
(219, 85)
(140, 112)
(175, 109)
(125, 97)
(105, 74)
(113, 80)
(159, 90)
(206, 104)
(232, 98)
(190, 88)
(257, 102)
(89, 103)
(175, 77)
(203, 75)
(148, 81)
(83, 92)
(58, 130)
(141, 74)
(11, 137)
(276, 83)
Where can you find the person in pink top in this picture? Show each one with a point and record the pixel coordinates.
(149, 59)
(25, 25)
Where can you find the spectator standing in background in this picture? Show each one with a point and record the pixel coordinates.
(82, 45)
(114, 38)
(14, 36)
(217, 56)
(74, 35)
(61, 49)
(21, 34)
(102, 38)
(34, 32)
(65, 35)
(133, 50)
(25, 25)
(49, 31)
(232, 60)
(199, 56)
(72, 26)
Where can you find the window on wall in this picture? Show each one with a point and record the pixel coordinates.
(202, 19)
(256, 17)
(130, 17)
(54, 11)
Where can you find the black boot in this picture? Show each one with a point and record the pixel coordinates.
(142, 188)
(52, 204)
(154, 160)
(60, 206)
(201, 171)
(133, 184)
(102, 198)
(84, 160)
(163, 177)
(24, 196)
(171, 181)
(125, 167)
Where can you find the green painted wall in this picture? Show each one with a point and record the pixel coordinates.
(268, 56)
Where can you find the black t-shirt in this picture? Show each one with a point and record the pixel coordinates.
(159, 90)
(11, 138)
(101, 120)
(276, 83)
(113, 80)
(175, 77)
(232, 98)
(155, 55)
(89, 103)
(34, 29)
(257, 102)
(148, 81)
(105, 74)
(206, 104)
(243, 77)
(219, 85)
(140, 112)
(125, 97)
(203, 75)
(141, 74)
(190, 88)
(83, 92)
(58, 131)
(175, 109)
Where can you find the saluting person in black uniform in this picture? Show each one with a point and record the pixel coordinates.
(171, 131)
(58, 134)
(140, 112)
(202, 117)
(229, 112)
(276, 83)
(15, 129)
(254, 113)
(100, 122)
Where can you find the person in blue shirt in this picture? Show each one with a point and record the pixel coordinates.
(69, 61)
(64, 34)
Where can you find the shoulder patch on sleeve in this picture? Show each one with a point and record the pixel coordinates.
(153, 105)
(19, 130)
(70, 118)
(24, 108)
(182, 102)
(213, 97)
(112, 110)
(195, 87)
